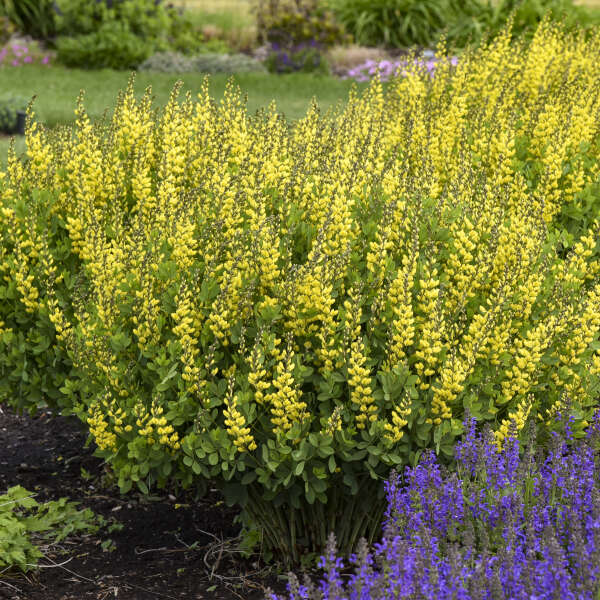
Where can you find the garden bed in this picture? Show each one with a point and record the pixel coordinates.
(149, 558)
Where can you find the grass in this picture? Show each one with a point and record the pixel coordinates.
(57, 89)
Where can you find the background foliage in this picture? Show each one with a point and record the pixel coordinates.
(26, 526)
(406, 23)
(298, 32)
(120, 34)
(10, 106)
(36, 18)
(207, 62)
(117, 34)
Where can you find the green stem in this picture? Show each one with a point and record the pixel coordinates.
(289, 531)
(293, 531)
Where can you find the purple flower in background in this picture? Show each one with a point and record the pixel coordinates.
(388, 68)
(19, 55)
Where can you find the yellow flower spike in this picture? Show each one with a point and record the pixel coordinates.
(98, 425)
(286, 405)
(235, 422)
(402, 325)
(361, 394)
(431, 326)
(516, 418)
(187, 332)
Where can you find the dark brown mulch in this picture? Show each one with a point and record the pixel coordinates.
(150, 557)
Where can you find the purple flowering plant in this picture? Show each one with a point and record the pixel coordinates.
(522, 523)
(387, 69)
(300, 57)
(20, 54)
(297, 34)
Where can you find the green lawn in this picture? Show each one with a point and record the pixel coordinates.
(57, 89)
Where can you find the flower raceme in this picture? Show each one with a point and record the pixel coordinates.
(293, 310)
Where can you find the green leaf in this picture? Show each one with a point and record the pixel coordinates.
(249, 477)
(313, 438)
(319, 485)
(119, 341)
(331, 464)
(235, 494)
(325, 451)
(265, 453)
(125, 486)
(164, 384)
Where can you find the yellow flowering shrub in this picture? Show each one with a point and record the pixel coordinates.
(36, 264)
(291, 310)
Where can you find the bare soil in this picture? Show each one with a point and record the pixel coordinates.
(151, 556)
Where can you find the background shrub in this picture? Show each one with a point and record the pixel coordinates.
(17, 54)
(303, 58)
(298, 32)
(405, 23)
(36, 18)
(112, 46)
(143, 18)
(208, 62)
(10, 106)
(120, 34)
(7, 29)
(168, 62)
(342, 59)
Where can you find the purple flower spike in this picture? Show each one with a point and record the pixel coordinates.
(512, 524)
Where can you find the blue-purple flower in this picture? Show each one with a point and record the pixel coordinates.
(518, 524)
